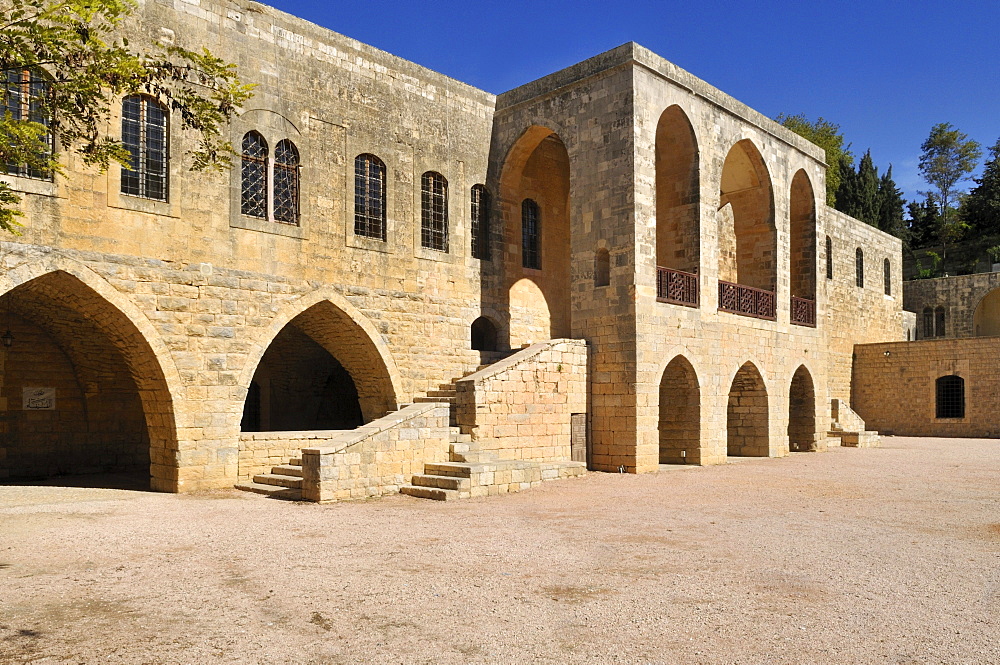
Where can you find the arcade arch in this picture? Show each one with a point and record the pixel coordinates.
(747, 414)
(680, 413)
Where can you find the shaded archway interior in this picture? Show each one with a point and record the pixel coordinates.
(320, 372)
(680, 414)
(802, 412)
(747, 415)
(678, 230)
(802, 241)
(82, 392)
(986, 319)
(747, 234)
(484, 335)
(537, 168)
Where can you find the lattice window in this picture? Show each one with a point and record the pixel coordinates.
(24, 96)
(950, 397)
(369, 197)
(939, 321)
(480, 227)
(829, 258)
(859, 266)
(887, 276)
(434, 211)
(286, 183)
(144, 135)
(253, 199)
(531, 230)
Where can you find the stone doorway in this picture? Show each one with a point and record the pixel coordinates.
(747, 415)
(802, 412)
(680, 414)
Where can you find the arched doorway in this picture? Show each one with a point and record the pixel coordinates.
(747, 415)
(320, 371)
(534, 200)
(678, 230)
(484, 335)
(747, 234)
(986, 320)
(84, 396)
(680, 414)
(802, 412)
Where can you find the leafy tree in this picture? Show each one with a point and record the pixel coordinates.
(947, 158)
(924, 222)
(981, 208)
(78, 47)
(826, 135)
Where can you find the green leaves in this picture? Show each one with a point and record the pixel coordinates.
(826, 135)
(79, 47)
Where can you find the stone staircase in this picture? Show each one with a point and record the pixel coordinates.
(849, 428)
(475, 472)
(283, 482)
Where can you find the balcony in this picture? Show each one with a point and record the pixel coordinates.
(803, 312)
(677, 287)
(746, 300)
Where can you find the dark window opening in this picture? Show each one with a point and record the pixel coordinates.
(939, 322)
(859, 260)
(144, 135)
(829, 258)
(253, 198)
(530, 235)
(887, 276)
(24, 96)
(950, 397)
(369, 197)
(286, 183)
(434, 211)
(484, 335)
(480, 227)
(928, 322)
(602, 268)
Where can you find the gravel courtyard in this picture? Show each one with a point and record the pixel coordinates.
(887, 555)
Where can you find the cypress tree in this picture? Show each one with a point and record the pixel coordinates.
(890, 206)
(981, 208)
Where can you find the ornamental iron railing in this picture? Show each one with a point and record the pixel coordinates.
(746, 300)
(675, 286)
(803, 311)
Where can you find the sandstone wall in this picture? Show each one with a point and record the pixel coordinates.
(960, 296)
(894, 386)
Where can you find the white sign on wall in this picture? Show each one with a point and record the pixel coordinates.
(38, 399)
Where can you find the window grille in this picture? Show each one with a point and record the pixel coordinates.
(887, 276)
(859, 260)
(369, 197)
(144, 135)
(950, 397)
(434, 211)
(24, 93)
(253, 200)
(286, 183)
(939, 322)
(530, 232)
(480, 226)
(829, 258)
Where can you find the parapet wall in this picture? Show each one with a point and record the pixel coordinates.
(377, 458)
(521, 407)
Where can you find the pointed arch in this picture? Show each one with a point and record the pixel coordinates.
(802, 240)
(747, 414)
(802, 412)
(678, 224)
(680, 413)
(747, 232)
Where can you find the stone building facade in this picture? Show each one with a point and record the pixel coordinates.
(955, 307)
(388, 230)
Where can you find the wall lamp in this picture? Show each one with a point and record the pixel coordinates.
(885, 353)
(7, 338)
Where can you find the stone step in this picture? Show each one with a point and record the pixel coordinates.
(287, 470)
(456, 469)
(272, 491)
(278, 480)
(474, 456)
(458, 437)
(295, 461)
(424, 399)
(435, 493)
(442, 393)
(442, 482)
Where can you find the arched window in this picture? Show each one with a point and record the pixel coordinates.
(859, 264)
(369, 197)
(887, 276)
(484, 335)
(480, 227)
(434, 211)
(939, 327)
(286, 182)
(950, 393)
(531, 231)
(829, 258)
(22, 97)
(144, 135)
(928, 323)
(253, 176)
(602, 267)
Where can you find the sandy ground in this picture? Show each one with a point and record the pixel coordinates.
(853, 556)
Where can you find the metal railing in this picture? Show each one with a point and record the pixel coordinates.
(676, 286)
(746, 300)
(803, 311)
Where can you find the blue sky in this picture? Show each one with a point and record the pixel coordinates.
(884, 71)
